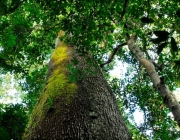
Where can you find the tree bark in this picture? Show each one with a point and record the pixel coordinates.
(168, 97)
(83, 110)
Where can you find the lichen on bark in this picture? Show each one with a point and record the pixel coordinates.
(57, 85)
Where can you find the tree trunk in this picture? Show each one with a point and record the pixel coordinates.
(86, 109)
(168, 97)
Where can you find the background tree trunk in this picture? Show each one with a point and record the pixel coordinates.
(159, 83)
(86, 109)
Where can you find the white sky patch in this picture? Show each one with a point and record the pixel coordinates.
(10, 91)
(119, 72)
(1, 48)
(138, 117)
(12, 97)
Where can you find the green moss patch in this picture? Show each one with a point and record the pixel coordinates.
(57, 86)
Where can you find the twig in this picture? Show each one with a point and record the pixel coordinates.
(157, 65)
(124, 10)
(113, 54)
(48, 29)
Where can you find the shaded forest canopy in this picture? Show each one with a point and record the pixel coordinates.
(28, 30)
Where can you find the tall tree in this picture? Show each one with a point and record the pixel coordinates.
(96, 33)
(86, 109)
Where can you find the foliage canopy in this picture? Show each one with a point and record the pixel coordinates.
(28, 29)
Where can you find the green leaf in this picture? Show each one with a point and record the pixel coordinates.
(174, 46)
(74, 61)
(173, 53)
(157, 40)
(161, 47)
(160, 58)
(147, 20)
(178, 13)
(161, 34)
(4, 134)
(177, 62)
(72, 78)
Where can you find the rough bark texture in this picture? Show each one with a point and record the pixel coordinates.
(91, 113)
(168, 98)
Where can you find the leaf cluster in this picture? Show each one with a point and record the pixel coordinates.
(13, 119)
(28, 30)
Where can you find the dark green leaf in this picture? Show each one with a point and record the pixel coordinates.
(177, 62)
(173, 53)
(178, 13)
(147, 20)
(158, 40)
(4, 134)
(174, 46)
(74, 61)
(160, 58)
(161, 34)
(161, 47)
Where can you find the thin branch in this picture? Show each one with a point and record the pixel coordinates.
(124, 10)
(111, 57)
(157, 65)
(149, 6)
(48, 29)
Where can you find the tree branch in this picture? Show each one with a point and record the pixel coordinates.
(113, 54)
(124, 10)
(50, 28)
(157, 65)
